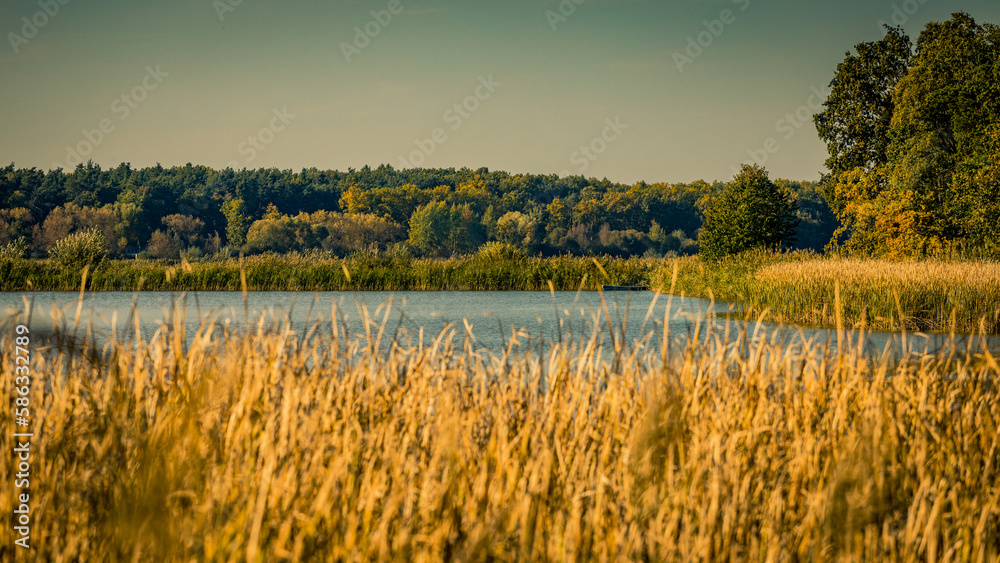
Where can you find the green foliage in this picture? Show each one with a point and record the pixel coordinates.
(658, 236)
(186, 228)
(340, 234)
(353, 233)
(395, 203)
(430, 228)
(855, 124)
(817, 221)
(72, 218)
(673, 244)
(499, 252)
(560, 215)
(367, 208)
(15, 250)
(439, 230)
(517, 229)
(80, 249)
(751, 212)
(14, 224)
(316, 270)
(932, 184)
(237, 222)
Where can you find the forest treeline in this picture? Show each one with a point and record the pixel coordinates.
(198, 211)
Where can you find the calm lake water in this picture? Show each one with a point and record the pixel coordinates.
(492, 317)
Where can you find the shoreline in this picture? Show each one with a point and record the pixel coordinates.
(802, 289)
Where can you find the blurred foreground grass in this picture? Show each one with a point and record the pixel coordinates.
(311, 444)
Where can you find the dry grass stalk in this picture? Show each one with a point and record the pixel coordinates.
(312, 444)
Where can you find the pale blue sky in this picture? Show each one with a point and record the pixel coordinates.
(223, 80)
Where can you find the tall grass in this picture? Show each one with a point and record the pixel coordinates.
(306, 443)
(323, 273)
(927, 295)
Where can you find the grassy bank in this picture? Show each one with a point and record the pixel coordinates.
(801, 288)
(311, 273)
(295, 446)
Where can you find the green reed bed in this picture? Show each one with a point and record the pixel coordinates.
(310, 273)
(802, 288)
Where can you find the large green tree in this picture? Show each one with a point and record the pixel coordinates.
(858, 112)
(237, 222)
(751, 212)
(936, 187)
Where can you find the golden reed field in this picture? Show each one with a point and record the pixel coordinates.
(315, 445)
(933, 294)
(936, 295)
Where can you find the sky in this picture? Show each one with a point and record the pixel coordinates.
(629, 90)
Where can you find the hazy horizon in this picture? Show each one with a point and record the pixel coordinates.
(629, 90)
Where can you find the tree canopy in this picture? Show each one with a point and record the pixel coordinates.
(925, 175)
(197, 210)
(751, 212)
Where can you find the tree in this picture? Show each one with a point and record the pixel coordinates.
(467, 231)
(430, 228)
(517, 229)
(70, 219)
(14, 224)
(353, 233)
(943, 133)
(440, 230)
(237, 222)
(185, 228)
(162, 245)
(273, 233)
(560, 216)
(936, 187)
(751, 212)
(859, 109)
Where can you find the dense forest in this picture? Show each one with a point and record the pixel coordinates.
(196, 211)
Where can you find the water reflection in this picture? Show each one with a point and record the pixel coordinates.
(492, 320)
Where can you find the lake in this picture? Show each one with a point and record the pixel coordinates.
(493, 319)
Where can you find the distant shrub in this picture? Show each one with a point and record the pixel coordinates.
(677, 243)
(500, 252)
(376, 259)
(15, 250)
(80, 249)
(192, 254)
